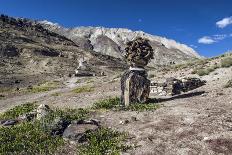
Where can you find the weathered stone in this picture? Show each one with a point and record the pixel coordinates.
(58, 125)
(77, 132)
(135, 87)
(28, 116)
(9, 122)
(42, 111)
(174, 86)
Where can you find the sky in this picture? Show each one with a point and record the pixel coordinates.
(205, 25)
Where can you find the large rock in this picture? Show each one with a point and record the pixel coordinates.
(135, 87)
(42, 111)
(76, 132)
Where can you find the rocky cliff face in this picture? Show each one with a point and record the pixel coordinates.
(111, 41)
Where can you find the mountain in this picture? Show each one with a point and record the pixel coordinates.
(111, 41)
(27, 50)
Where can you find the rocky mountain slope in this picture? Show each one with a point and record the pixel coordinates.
(111, 41)
(29, 50)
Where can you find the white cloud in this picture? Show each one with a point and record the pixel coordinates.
(224, 22)
(193, 46)
(219, 36)
(213, 39)
(206, 40)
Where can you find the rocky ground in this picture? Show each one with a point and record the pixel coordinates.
(196, 122)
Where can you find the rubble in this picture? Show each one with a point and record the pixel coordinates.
(173, 86)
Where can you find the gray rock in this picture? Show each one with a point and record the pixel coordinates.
(28, 116)
(42, 111)
(58, 125)
(9, 122)
(77, 132)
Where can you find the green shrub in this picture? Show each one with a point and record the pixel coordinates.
(228, 84)
(103, 141)
(114, 103)
(18, 110)
(226, 62)
(34, 137)
(107, 103)
(83, 89)
(27, 138)
(43, 87)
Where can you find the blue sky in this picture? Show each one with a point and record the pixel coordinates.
(206, 25)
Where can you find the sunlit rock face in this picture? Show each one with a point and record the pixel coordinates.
(112, 41)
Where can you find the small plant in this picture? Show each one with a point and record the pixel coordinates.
(114, 103)
(18, 110)
(228, 84)
(206, 71)
(103, 141)
(43, 87)
(56, 94)
(107, 103)
(83, 89)
(226, 62)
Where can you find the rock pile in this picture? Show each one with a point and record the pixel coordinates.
(174, 86)
(134, 83)
(138, 52)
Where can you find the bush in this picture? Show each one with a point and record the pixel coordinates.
(114, 103)
(27, 138)
(18, 110)
(228, 84)
(226, 62)
(107, 103)
(103, 141)
(83, 89)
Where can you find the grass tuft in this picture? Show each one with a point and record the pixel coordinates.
(43, 87)
(103, 141)
(83, 89)
(114, 103)
(226, 62)
(18, 110)
(228, 84)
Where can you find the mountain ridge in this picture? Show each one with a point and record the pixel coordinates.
(112, 41)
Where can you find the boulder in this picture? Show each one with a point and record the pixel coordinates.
(76, 132)
(42, 111)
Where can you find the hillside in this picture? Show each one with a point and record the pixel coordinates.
(29, 53)
(111, 41)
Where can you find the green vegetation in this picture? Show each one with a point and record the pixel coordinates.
(103, 141)
(27, 138)
(33, 137)
(228, 84)
(43, 87)
(56, 94)
(107, 103)
(83, 89)
(114, 103)
(204, 71)
(226, 62)
(18, 110)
